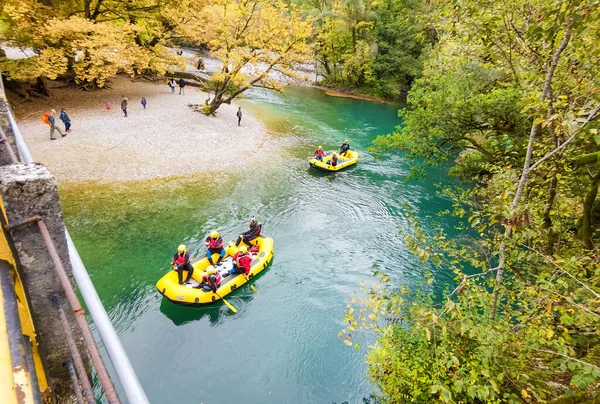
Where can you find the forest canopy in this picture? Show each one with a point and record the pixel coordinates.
(509, 100)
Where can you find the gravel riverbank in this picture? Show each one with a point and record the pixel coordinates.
(166, 139)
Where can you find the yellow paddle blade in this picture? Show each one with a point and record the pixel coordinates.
(229, 305)
(251, 285)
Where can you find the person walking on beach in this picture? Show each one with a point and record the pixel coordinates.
(182, 86)
(172, 85)
(108, 106)
(124, 105)
(144, 102)
(48, 119)
(239, 115)
(66, 120)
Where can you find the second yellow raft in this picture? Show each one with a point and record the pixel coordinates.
(190, 294)
(346, 161)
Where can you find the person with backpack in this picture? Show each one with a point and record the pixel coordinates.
(48, 119)
(65, 119)
(182, 86)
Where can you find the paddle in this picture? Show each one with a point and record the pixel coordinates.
(251, 285)
(227, 303)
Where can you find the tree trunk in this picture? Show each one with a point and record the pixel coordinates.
(585, 230)
(551, 236)
(40, 86)
(525, 174)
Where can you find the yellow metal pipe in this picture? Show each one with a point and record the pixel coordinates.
(8, 393)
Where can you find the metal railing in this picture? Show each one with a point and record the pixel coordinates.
(125, 373)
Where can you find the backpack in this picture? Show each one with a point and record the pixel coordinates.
(46, 118)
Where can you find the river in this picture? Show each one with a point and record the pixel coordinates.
(329, 230)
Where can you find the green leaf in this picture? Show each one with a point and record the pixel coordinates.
(446, 395)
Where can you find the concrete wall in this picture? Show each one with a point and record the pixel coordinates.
(30, 190)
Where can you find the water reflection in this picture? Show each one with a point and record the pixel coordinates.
(216, 312)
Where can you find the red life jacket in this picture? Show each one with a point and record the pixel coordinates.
(244, 261)
(320, 153)
(215, 243)
(216, 278)
(180, 259)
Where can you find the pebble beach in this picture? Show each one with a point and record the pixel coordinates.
(166, 139)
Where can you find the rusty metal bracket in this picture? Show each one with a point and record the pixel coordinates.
(33, 219)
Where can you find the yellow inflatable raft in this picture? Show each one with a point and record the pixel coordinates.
(348, 160)
(194, 294)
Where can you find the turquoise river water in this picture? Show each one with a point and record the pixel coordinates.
(329, 230)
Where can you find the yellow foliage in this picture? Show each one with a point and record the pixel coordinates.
(253, 39)
(124, 37)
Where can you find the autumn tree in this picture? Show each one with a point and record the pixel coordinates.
(254, 39)
(92, 40)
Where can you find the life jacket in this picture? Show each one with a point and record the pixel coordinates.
(320, 153)
(334, 160)
(215, 243)
(46, 118)
(216, 278)
(244, 260)
(253, 231)
(180, 260)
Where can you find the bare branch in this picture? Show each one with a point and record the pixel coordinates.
(589, 119)
(464, 281)
(564, 356)
(561, 269)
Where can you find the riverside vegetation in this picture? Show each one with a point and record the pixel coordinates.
(508, 98)
(506, 94)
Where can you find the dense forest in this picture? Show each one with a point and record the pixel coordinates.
(506, 94)
(509, 99)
